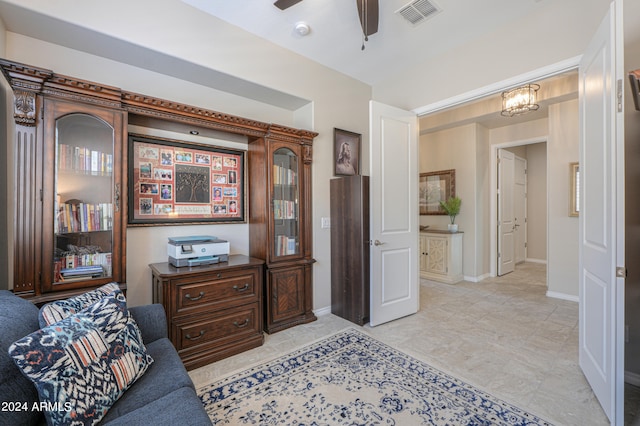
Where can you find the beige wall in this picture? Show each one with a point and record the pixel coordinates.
(562, 149)
(537, 202)
(483, 202)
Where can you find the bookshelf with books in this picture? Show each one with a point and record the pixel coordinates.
(66, 233)
(77, 175)
(280, 224)
(84, 217)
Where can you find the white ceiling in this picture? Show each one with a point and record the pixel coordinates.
(335, 39)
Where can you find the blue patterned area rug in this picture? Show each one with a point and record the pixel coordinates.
(352, 379)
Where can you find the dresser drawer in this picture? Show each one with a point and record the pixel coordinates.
(202, 295)
(216, 330)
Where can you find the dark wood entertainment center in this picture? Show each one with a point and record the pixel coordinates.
(60, 118)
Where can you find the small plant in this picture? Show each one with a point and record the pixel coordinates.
(451, 207)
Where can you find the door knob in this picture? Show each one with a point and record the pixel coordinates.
(378, 243)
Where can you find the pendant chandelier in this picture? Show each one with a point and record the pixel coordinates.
(520, 100)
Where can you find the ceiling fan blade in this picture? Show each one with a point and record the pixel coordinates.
(368, 13)
(284, 4)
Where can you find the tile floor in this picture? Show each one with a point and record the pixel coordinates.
(502, 335)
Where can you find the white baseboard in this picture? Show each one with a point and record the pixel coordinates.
(476, 279)
(532, 260)
(322, 311)
(632, 378)
(563, 296)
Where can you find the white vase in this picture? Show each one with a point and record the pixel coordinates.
(453, 227)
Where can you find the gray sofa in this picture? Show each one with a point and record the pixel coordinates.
(164, 395)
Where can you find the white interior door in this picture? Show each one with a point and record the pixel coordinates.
(394, 213)
(520, 208)
(506, 214)
(602, 216)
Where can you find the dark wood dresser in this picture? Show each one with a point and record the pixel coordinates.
(213, 311)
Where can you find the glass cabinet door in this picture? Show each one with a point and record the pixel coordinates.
(84, 185)
(286, 191)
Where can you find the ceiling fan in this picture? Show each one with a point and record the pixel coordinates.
(367, 11)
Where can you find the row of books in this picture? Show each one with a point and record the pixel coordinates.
(284, 176)
(83, 217)
(283, 209)
(82, 266)
(82, 159)
(285, 245)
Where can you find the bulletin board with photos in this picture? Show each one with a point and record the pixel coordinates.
(174, 182)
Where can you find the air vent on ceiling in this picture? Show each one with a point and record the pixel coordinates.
(418, 11)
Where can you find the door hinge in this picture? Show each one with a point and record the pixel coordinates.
(499, 255)
(621, 272)
(619, 95)
(41, 196)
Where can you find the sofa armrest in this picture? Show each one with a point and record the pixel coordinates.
(152, 321)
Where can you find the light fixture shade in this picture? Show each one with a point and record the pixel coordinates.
(520, 100)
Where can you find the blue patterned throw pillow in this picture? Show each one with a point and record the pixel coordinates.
(82, 364)
(53, 312)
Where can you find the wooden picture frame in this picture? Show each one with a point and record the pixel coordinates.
(574, 195)
(346, 152)
(176, 182)
(435, 187)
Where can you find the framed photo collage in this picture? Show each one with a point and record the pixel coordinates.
(173, 182)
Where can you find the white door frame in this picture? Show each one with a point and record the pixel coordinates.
(506, 212)
(493, 211)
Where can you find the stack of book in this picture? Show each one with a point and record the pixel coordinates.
(82, 272)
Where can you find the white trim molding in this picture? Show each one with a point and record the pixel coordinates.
(476, 279)
(322, 311)
(540, 73)
(563, 296)
(540, 261)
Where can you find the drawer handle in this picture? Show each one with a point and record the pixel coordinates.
(193, 299)
(188, 336)
(245, 287)
(241, 324)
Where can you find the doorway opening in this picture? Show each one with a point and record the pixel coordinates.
(520, 201)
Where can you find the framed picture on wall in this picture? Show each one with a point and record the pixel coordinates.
(346, 149)
(177, 182)
(435, 187)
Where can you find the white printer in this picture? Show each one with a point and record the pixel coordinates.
(197, 250)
